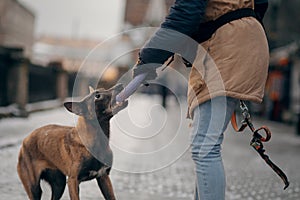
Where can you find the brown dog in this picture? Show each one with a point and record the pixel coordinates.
(54, 152)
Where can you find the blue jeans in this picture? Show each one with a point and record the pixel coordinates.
(210, 121)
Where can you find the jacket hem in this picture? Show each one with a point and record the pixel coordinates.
(199, 100)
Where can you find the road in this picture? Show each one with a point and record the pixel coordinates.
(152, 159)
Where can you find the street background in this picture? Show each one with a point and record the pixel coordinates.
(248, 177)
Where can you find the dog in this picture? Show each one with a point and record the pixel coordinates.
(54, 152)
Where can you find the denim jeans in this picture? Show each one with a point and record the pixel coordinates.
(210, 121)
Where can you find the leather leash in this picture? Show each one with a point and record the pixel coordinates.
(258, 139)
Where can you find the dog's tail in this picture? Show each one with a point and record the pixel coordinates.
(27, 174)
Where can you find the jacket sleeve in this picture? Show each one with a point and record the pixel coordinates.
(180, 24)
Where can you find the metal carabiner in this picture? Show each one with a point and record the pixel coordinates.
(243, 106)
(245, 111)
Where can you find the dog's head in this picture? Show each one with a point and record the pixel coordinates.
(99, 104)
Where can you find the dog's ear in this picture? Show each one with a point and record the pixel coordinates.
(75, 107)
(91, 89)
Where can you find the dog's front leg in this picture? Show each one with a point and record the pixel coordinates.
(105, 186)
(73, 186)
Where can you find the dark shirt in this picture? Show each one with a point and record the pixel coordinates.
(260, 1)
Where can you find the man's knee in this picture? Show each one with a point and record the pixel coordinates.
(205, 153)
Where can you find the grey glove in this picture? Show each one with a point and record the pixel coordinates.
(141, 68)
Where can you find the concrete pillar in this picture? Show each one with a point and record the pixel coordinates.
(18, 84)
(22, 84)
(62, 85)
(61, 80)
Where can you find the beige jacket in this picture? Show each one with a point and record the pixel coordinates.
(233, 62)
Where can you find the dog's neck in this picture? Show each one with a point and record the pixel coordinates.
(93, 131)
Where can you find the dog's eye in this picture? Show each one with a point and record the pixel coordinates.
(97, 96)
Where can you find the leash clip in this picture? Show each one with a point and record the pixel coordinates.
(245, 111)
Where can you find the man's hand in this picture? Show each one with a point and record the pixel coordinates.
(141, 68)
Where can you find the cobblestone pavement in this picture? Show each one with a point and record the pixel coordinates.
(248, 177)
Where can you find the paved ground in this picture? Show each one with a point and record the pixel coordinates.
(151, 157)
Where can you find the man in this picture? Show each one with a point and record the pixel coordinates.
(233, 67)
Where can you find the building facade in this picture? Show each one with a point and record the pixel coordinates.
(136, 11)
(16, 26)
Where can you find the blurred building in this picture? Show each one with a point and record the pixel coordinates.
(100, 62)
(71, 52)
(282, 99)
(282, 22)
(16, 41)
(137, 12)
(16, 26)
(140, 16)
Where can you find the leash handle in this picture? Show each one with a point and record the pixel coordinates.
(267, 132)
(256, 143)
(130, 88)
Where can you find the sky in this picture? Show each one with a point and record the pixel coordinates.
(90, 19)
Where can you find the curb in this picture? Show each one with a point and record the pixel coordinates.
(13, 110)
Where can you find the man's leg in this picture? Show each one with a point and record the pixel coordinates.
(210, 121)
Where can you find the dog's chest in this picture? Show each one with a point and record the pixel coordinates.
(91, 169)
